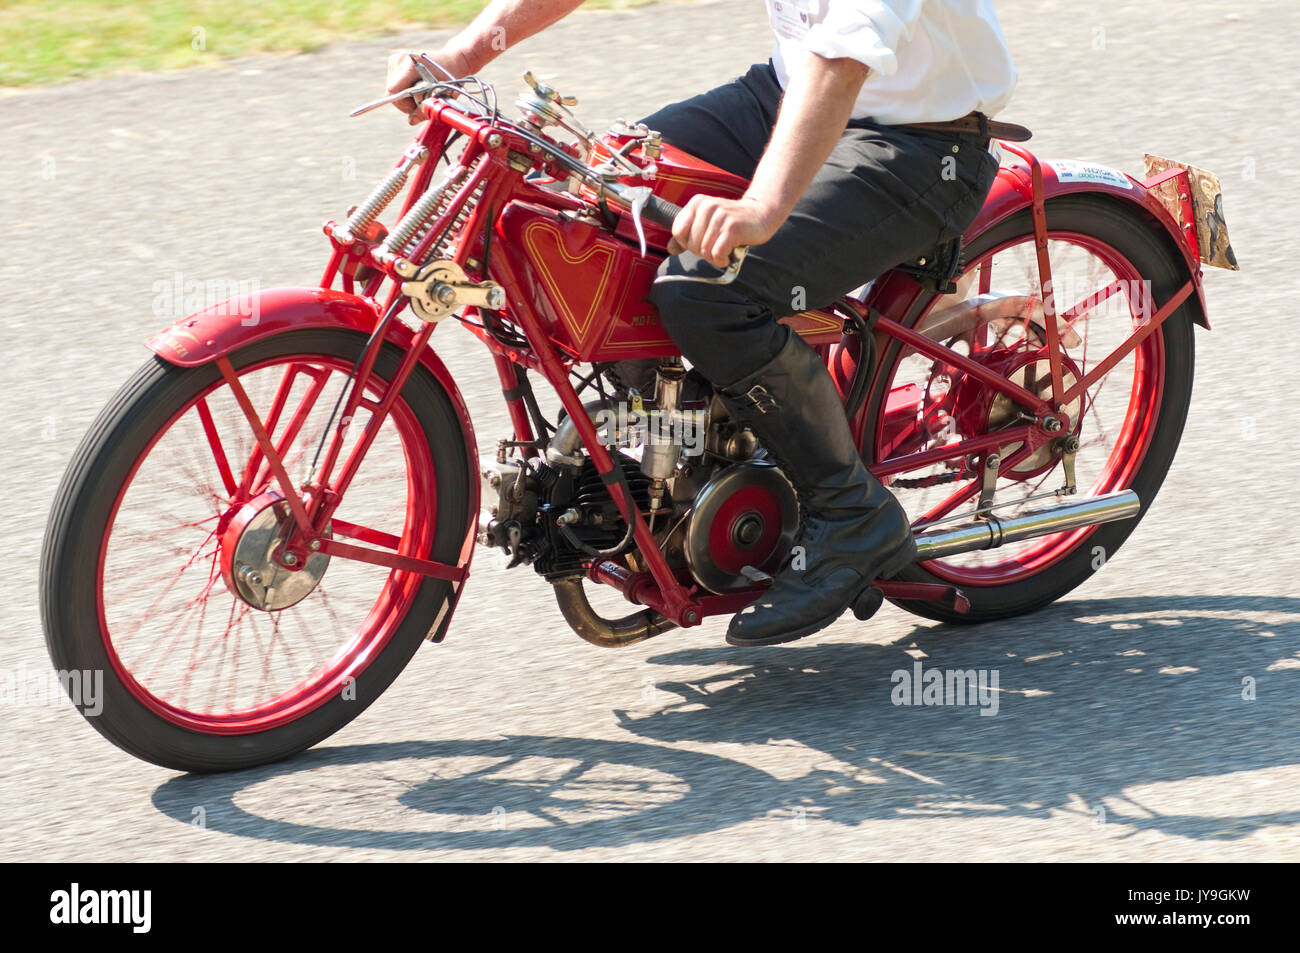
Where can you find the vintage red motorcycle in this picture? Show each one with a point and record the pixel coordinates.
(278, 508)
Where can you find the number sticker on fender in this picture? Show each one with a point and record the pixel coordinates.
(1071, 170)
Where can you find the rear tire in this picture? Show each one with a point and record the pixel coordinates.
(1153, 258)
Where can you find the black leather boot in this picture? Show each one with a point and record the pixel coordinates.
(854, 530)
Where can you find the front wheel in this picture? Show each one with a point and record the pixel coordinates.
(146, 575)
(1110, 270)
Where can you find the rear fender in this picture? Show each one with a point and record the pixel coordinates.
(225, 327)
(1013, 191)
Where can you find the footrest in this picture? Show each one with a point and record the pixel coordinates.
(950, 596)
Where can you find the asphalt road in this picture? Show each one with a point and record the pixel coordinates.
(1121, 733)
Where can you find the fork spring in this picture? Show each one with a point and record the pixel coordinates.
(379, 198)
(420, 213)
(451, 230)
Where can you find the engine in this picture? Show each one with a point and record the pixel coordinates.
(554, 518)
(717, 508)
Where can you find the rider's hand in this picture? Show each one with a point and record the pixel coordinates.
(403, 75)
(712, 227)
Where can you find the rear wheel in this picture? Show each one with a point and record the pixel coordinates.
(154, 570)
(1110, 270)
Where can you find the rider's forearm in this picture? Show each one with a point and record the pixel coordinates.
(502, 24)
(817, 106)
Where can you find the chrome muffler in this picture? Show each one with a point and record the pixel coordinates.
(993, 531)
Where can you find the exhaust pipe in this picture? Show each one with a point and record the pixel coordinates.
(992, 532)
(596, 629)
(989, 533)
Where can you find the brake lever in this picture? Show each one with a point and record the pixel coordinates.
(418, 90)
(728, 275)
(635, 197)
(422, 64)
(638, 196)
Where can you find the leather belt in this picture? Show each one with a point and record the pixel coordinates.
(976, 124)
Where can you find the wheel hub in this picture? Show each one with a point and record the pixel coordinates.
(1034, 374)
(980, 409)
(256, 564)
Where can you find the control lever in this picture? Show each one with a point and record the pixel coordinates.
(640, 195)
(643, 203)
(729, 274)
(418, 90)
(422, 64)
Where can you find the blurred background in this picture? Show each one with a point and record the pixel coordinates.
(76, 39)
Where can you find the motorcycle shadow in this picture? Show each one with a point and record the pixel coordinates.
(1091, 709)
(1097, 704)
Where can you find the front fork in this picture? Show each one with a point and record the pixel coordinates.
(312, 506)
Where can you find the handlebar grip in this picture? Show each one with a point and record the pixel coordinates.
(660, 211)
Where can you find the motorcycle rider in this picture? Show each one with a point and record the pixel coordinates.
(865, 140)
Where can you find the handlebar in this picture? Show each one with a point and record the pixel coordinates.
(640, 200)
(660, 211)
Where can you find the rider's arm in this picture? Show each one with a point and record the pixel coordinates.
(818, 103)
(500, 25)
(817, 106)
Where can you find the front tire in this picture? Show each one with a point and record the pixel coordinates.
(195, 679)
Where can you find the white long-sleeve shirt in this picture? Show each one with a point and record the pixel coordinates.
(930, 60)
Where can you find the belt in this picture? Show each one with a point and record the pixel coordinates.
(975, 124)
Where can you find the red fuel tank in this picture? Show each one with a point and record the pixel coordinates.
(590, 285)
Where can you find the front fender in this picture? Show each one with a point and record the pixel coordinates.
(237, 322)
(1013, 191)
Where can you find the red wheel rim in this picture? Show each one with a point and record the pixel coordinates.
(336, 671)
(1130, 444)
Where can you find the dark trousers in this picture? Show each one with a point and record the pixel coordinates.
(886, 195)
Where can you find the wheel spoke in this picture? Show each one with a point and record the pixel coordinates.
(178, 627)
(264, 441)
(249, 481)
(1088, 304)
(166, 590)
(954, 500)
(296, 421)
(218, 451)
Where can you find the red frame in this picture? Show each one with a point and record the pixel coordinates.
(572, 288)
